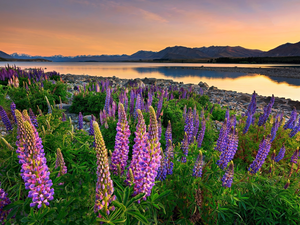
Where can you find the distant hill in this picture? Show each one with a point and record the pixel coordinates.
(228, 51)
(5, 56)
(173, 53)
(287, 49)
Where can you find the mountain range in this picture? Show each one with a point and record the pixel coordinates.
(171, 53)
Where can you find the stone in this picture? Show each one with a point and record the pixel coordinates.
(203, 85)
(87, 118)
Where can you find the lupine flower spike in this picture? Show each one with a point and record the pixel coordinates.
(5, 119)
(13, 108)
(228, 176)
(104, 186)
(49, 106)
(197, 170)
(201, 133)
(80, 121)
(185, 148)
(4, 201)
(168, 135)
(60, 162)
(120, 153)
(169, 158)
(280, 154)
(139, 152)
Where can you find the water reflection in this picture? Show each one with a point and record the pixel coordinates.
(237, 81)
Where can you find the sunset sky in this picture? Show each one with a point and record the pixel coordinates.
(95, 27)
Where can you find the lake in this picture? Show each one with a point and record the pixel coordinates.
(236, 81)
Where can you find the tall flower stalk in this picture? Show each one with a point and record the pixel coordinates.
(120, 154)
(104, 185)
(197, 170)
(5, 119)
(228, 176)
(168, 134)
(189, 126)
(60, 162)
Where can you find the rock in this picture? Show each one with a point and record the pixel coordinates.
(213, 88)
(203, 85)
(135, 83)
(87, 118)
(243, 97)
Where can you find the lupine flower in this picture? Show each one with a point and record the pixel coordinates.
(185, 148)
(274, 128)
(49, 106)
(201, 133)
(252, 105)
(151, 161)
(33, 118)
(228, 176)
(287, 184)
(159, 128)
(60, 162)
(139, 151)
(137, 106)
(197, 170)
(169, 158)
(168, 135)
(4, 201)
(189, 126)
(196, 125)
(222, 140)
(34, 170)
(159, 105)
(289, 124)
(200, 91)
(227, 116)
(232, 146)
(13, 108)
(248, 122)
(5, 119)
(212, 109)
(91, 131)
(104, 186)
(162, 170)
(107, 99)
(263, 151)
(267, 111)
(120, 154)
(113, 109)
(295, 156)
(80, 121)
(280, 154)
(131, 102)
(184, 112)
(63, 117)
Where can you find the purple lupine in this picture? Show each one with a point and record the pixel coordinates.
(137, 105)
(252, 105)
(159, 105)
(184, 112)
(80, 121)
(201, 133)
(125, 100)
(107, 99)
(120, 154)
(13, 108)
(185, 147)
(228, 176)
(200, 91)
(232, 122)
(248, 122)
(267, 111)
(275, 128)
(168, 135)
(212, 109)
(5, 119)
(263, 151)
(159, 128)
(295, 130)
(139, 152)
(169, 158)
(104, 185)
(4, 201)
(113, 109)
(132, 102)
(189, 126)
(197, 170)
(280, 154)
(63, 119)
(196, 125)
(227, 116)
(232, 146)
(290, 123)
(162, 170)
(33, 118)
(60, 162)
(295, 156)
(222, 140)
(34, 170)
(151, 160)
(91, 131)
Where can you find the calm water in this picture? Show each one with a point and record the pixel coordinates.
(241, 82)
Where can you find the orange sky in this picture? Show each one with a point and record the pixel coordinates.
(95, 27)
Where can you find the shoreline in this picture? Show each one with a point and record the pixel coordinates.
(237, 101)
